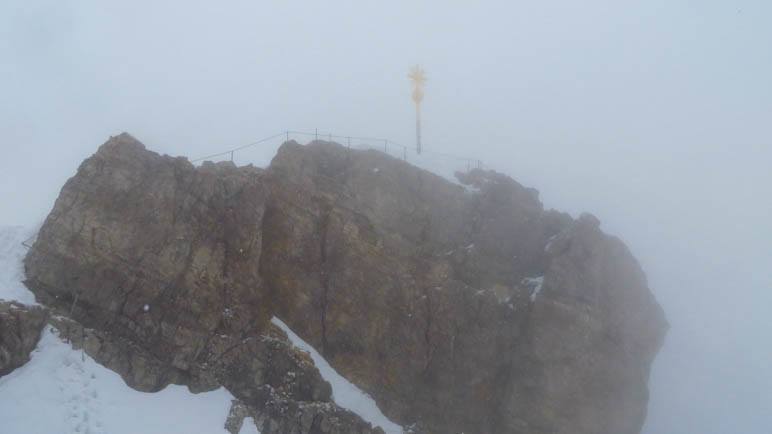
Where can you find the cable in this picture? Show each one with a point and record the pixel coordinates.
(317, 135)
(239, 148)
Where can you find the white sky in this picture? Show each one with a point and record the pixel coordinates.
(656, 116)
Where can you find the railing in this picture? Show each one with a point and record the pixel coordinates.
(388, 146)
(427, 159)
(29, 241)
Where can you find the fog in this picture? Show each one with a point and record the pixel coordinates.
(655, 116)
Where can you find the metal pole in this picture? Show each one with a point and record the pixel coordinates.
(288, 135)
(404, 153)
(418, 78)
(231, 156)
(418, 127)
(316, 133)
(386, 146)
(349, 142)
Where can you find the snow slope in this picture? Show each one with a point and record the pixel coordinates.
(345, 394)
(11, 269)
(64, 391)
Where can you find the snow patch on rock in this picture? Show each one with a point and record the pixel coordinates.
(249, 427)
(535, 284)
(344, 393)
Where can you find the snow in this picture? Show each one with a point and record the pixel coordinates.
(548, 246)
(62, 390)
(469, 188)
(11, 269)
(146, 308)
(535, 283)
(345, 394)
(249, 427)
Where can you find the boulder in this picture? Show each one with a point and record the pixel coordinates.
(457, 307)
(155, 251)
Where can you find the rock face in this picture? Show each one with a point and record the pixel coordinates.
(156, 252)
(20, 328)
(458, 309)
(174, 296)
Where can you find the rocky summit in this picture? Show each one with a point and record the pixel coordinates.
(458, 307)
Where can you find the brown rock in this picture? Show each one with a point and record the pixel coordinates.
(593, 332)
(155, 251)
(458, 311)
(20, 328)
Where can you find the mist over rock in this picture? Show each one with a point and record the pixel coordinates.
(457, 308)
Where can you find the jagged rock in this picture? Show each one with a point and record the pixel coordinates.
(282, 416)
(242, 366)
(459, 309)
(270, 360)
(592, 336)
(155, 251)
(276, 414)
(278, 385)
(20, 328)
(138, 367)
(238, 412)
